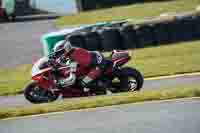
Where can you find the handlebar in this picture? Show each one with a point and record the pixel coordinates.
(52, 62)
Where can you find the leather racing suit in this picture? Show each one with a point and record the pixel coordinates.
(82, 58)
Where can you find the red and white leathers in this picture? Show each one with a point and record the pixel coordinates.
(82, 59)
(87, 59)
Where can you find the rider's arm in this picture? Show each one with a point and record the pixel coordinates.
(57, 54)
(71, 79)
(73, 66)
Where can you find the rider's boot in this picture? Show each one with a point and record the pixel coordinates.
(105, 86)
(60, 84)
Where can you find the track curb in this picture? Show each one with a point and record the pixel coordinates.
(173, 76)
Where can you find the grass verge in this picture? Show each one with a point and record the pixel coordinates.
(100, 101)
(157, 61)
(12, 80)
(134, 11)
(168, 59)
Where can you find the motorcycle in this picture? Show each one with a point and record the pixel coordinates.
(43, 88)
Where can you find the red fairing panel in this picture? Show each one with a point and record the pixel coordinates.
(42, 81)
(121, 61)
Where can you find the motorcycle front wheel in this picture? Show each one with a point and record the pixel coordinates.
(34, 94)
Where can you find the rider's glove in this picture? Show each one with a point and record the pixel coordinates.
(52, 56)
(73, 66)
(59, 84)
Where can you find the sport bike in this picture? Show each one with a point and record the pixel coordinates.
(117, 78)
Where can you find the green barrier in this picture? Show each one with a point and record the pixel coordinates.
(49, 42)
(9, 6)
(50, 39)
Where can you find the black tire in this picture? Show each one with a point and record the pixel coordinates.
(92, 41)
(13, 17)
(5, 16)
(174, 31)
(10, 17)
(111, 39)
(145, 36)
(30, 88)
(128, 36)
(127, 73)
(197, 27)
(161, 33)
(77, 39)
(187, 28)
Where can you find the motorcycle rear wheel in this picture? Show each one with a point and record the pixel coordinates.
(131, 79)
(37, 95)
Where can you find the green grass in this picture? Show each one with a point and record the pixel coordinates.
(135, 11)
(100, 101)
(156, 61)
(13, 80)
(168, 59)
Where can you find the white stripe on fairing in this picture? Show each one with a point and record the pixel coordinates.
(41, 71)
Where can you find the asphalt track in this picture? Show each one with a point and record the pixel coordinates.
(20, 40)
(177, 116)
(19, 100)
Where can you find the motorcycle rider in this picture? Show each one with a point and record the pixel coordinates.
(81, 58)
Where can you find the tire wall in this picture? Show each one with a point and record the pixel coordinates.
(152, 32)
(98, 4)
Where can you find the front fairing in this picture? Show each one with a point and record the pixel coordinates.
(40, 67)
(41, 73)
